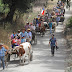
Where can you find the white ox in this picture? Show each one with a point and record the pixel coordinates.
(23, 50)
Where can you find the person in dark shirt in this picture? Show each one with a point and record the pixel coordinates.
(53, 43)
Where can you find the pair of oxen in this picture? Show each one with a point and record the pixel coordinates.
(25, 49)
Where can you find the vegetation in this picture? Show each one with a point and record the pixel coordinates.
(3, 7)
(10, 6)
(69, 24)
(69, 44)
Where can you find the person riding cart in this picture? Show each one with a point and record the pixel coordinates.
(32, 27)
(23, 35)
(29, 35)
(27, 26)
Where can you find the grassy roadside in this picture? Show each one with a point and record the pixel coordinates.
(68, 34)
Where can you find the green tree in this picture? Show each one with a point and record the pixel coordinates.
(3, 7)
(21, 5)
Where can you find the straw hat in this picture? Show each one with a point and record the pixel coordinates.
(28, 29)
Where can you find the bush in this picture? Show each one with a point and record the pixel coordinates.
(69, 24)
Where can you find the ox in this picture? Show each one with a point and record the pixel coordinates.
(23, 50)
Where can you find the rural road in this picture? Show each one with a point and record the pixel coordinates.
(42, 60)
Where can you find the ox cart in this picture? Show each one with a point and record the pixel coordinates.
(15, 52)
(59, 12)
(40, 30)
(62, 18)
(34, 38)
(25, 49)
(47, 26)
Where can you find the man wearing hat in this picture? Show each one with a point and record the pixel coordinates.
(23, 35)
(18, 33)
(27, 26)
(29, 35)
(2, 54)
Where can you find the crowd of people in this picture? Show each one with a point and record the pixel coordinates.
(23, 35)
(59, 11)
(26, 33)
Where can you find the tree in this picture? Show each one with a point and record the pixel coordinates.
(21, 5)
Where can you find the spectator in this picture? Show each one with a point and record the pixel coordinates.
(50, 26)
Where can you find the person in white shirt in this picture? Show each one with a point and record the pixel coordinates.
(32, 28)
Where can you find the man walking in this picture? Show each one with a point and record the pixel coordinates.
(57, 19)
(50, 27)
(68, 4)
(53, 43)
(2, 54)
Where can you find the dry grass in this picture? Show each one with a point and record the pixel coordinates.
(4, 37)
(51, 4)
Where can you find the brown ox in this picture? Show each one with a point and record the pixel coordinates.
(21, 51)
(42, 30)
